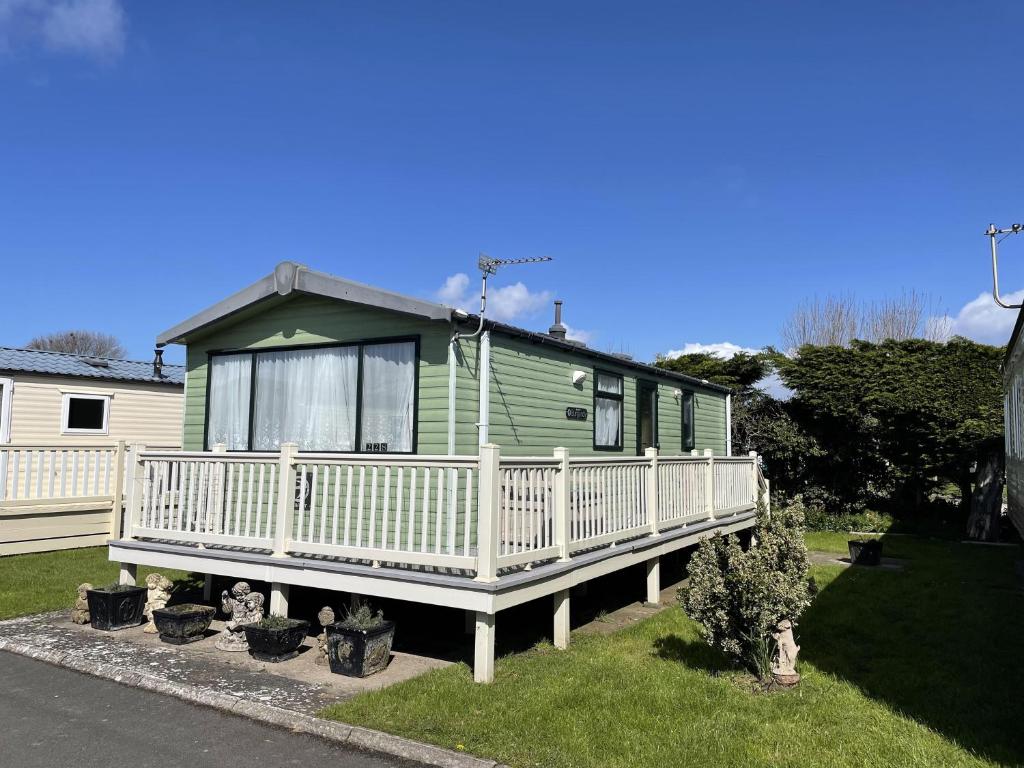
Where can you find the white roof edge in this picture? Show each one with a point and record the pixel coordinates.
(289, 276)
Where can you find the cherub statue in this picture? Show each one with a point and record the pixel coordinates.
(159, 593)
(785, 667)
(325, 617)
(244, 607)
(80, 611)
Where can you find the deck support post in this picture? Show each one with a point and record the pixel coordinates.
(117, 508)
(654, 581)
(128, 574)
(279, 598)
(134, 489)
(207, 587)
(562, 514)
(562, 625)
(489, 507)
(709, 485)
(652, 490)
(483, 657)
(285, 512)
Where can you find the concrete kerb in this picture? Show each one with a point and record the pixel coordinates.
(297, 722)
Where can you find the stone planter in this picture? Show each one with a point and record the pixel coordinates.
(181, 624)
(868, 552)
(359, 652)
(117, 607)
(275, 639)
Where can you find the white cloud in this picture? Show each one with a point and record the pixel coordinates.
(453, 292)
(504, 304)
(723, 349)
(981, 319)
(87, 27)
(578, 334)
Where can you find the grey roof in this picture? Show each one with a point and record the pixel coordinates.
(64, 364)
(288, 277)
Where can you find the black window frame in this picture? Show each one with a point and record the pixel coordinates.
(620, 398)
(360, 344)
(688, 439)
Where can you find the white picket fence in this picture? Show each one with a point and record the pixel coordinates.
(482, 514)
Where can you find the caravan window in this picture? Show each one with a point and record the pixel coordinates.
(345, 397)
(84, 414)
(607, 411)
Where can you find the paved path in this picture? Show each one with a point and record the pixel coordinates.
(56, 717)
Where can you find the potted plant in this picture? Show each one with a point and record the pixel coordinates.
(275, 638)
(360, 644)
(117, 606)
(866, 552)
(185, 623)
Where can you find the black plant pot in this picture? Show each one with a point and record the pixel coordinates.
(359, 652)
(867, 552)
(116, 608)
(275, 643)
(181, 624)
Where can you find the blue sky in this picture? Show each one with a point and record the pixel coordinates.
(695, 170)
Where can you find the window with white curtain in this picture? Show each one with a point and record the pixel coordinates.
(228, 409)
(311, 396)
(389, 389)
(307, 397)
(607, 411)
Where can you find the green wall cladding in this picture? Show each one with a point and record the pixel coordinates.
(531, 384)
(314, 320)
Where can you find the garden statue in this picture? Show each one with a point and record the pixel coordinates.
(785, 668)
(159, 593)
(80, 611)
(325, 617)
(244, 607)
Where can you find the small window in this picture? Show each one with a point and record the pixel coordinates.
(85, 414)
(607, 411)
(689, 442)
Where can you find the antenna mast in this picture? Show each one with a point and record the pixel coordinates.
(489, 266)
(992, 232)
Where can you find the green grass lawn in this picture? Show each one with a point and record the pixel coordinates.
(46, 581)
(918, 667)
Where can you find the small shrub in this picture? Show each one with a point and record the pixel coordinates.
(738, 597)
(361, 616)
(276, 622)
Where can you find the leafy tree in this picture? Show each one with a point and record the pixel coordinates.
(896, 418)
(85, 343)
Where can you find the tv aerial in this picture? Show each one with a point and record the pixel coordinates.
(489, 266)
(993, 232)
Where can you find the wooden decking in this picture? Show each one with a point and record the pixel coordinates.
(480, 533)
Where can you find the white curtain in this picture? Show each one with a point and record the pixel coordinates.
(306, 397)
(229, 401)
(389, 384)
(608, 412)
(607, 421)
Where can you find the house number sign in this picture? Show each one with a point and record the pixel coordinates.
(576, 414)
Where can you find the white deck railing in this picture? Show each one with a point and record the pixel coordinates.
(29, 472)
(481, 514)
